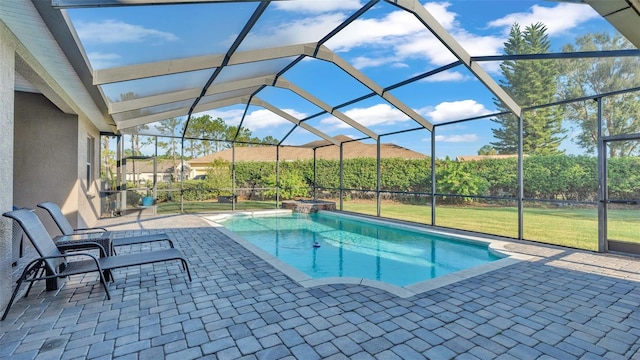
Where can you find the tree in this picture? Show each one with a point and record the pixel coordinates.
(270, 140)
(134, 132)
(219, 177)
(206, 135)
(171, 128)
(585, 77)
(529, 83)
(211, 133)
(243, 135)
(108, 161)
(215, 130)
(487, 150)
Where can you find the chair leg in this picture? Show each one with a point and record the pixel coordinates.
(104, 284)
(39, 271)
(186, 267)
(18, 283)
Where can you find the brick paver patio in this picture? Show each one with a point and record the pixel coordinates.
(561, 304)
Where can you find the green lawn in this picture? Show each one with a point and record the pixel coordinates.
(561, 226)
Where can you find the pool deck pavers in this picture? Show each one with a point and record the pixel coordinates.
(558, 304)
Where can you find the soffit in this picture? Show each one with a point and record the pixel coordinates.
(624, 15)
(42, 62)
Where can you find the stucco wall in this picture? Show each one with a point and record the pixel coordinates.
(46, 155)
(88, 195)
(7, 79)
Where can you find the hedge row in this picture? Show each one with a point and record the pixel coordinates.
(563, 177)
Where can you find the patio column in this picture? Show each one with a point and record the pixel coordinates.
(520, 177)
(7, 79)
(378, 179)
(603, 245)
(433, 176)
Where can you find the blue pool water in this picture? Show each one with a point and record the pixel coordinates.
(326, 245)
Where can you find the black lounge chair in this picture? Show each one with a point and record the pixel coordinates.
(65, 227)
(52, 263)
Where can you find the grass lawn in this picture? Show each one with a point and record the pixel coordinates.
(561, 226)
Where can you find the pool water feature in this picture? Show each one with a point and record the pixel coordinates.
(326, 245)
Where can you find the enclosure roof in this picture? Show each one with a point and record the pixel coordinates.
(352, 149)
(319, 66)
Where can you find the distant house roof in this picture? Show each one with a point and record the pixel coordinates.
(351, 150)
(146, 166)
(484, 157)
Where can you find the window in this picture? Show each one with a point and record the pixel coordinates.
(90, 151)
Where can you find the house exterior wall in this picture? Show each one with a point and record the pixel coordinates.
(43, 140)
(88, 194)
(7, 80)
(45, 156)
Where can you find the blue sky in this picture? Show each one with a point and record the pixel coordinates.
(387, 44)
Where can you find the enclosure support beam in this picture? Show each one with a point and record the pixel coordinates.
(341, 176)
(378, 204)
(602, 184)
(181, 175)
(315, 173)
(284, 84)
(71, 4)
(120, 178)
(155, 173)
(430, 22)
(257, 102)
(176, 66)
(433, 176)
(277, 176)
(345, 66)
(248, 85)
(520, 178)
(233, 175)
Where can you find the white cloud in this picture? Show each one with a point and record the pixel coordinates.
(458, 138)
(362, 62)
(102, 60)
(315, 6)
(262, 119)
(400, 65)
(112, 31)
(230, 117)
(298, 31)
(439, 10)
(382, 31)
(454, 110)
(558, 19)
(480, 45)
(255, 120)
(400, 36)
(445, 76)
(380, 114)
(424, 46)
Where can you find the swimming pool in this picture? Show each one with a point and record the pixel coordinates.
(326, 245)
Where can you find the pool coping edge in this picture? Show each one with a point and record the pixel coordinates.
(495, 246)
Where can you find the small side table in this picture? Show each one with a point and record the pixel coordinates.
(86, 241)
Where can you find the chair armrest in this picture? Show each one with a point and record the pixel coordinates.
(69, 255)
(43, 258)
(90, 230)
